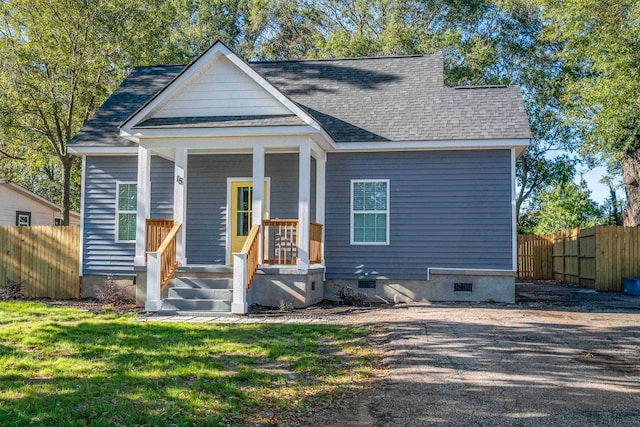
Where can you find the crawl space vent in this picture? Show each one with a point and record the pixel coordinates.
(463, 287)
(366, 284)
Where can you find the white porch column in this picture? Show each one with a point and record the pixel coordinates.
(258, 185)
(143, 203)
(180, 203)
(257, 206)
(304, 196)
(321, 167)
(154, 297)
(239, 304)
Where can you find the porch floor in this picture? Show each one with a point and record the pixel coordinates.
(220, 268)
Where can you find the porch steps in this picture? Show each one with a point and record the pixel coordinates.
(199, 296)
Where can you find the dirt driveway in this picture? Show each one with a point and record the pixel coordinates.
(562, 356)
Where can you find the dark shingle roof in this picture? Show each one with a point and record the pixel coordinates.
(141, 84)
(355, 100)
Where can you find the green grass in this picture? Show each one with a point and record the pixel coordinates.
(62, 366)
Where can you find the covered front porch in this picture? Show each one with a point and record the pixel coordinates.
(257, 209)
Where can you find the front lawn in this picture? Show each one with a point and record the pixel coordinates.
(62, 366)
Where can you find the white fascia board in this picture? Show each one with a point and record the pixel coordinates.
(182, 78)
(103, 150)
(471, 144)
(192, 70)
(276, 93)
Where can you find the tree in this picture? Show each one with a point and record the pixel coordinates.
(59, 61)
(536, 174)
(612, 207)
(566, 206)
(600, 45)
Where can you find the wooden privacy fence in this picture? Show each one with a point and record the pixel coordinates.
(45, 259)
(534, 256)
(597, 257)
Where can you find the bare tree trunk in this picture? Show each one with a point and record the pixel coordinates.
(630, 165)
(67, 164)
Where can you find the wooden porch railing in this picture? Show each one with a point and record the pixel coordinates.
(315, 243)
(167, 251)
(157, 231)
(280, 241)
(251, 249)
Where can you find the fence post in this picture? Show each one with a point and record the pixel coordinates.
(239, 305)
(153, 301)
(578, 236)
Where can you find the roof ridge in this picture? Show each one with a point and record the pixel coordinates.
(346, 59)
(159, 66)
(308, 60)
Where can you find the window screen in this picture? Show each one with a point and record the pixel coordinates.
(370, 212)
(126, 211)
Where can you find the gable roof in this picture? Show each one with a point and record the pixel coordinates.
(354, 100)
(33, 196)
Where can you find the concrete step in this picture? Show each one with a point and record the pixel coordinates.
(203, 283)
(204, 313)
(194, 313)
(196, 304)
(200, 293)
(205, 271)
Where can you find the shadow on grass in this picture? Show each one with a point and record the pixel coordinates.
(130, 373)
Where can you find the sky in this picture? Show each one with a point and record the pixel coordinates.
(599, 191)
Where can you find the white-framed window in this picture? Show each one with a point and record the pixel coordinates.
(23, 219)
(57, 222)
(126, 209)
(370, 212)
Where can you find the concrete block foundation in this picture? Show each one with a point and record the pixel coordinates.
(291, 286)
(472, 286)
(92, 285)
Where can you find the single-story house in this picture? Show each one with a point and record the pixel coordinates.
(19, 206)
(224, 183)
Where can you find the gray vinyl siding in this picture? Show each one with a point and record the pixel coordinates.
(162, 172)
(207, 198)
(101, 254)
(283, 170)
(448, 209)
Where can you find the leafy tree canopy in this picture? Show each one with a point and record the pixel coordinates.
(60, 59)
(600, 42)
(566, 206)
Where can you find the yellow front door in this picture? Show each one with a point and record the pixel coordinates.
(241, 212)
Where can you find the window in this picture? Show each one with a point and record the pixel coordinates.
(126, 205)
(370, 212)
(23, 219)
(57, 222)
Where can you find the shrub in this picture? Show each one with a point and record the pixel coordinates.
(348, 296)
(11, 290)
(109, 293)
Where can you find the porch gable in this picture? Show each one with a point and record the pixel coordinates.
(218, 89)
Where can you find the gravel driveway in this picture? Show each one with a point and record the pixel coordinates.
(562, 356)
